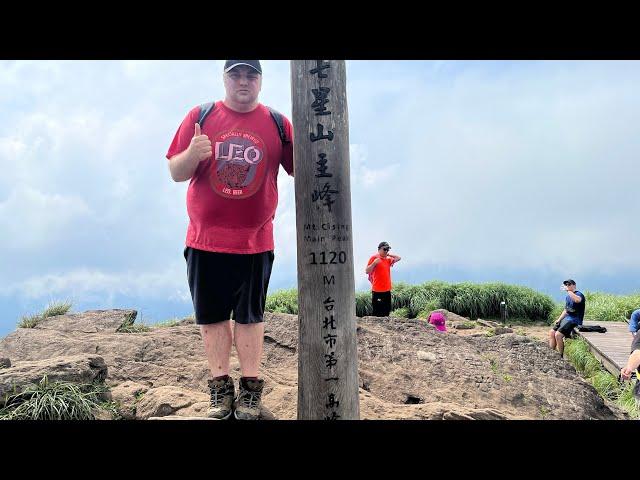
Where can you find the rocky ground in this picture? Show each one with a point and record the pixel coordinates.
(408, 370)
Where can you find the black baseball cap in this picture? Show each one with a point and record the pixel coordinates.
(569, 282)
(383, 244)
(255, 64)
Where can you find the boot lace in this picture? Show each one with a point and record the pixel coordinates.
(217, 395)
(250, 399)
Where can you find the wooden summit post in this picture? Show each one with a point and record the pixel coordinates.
(327, 348)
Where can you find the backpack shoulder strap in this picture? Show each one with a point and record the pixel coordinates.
(279, 121)
(205, 110)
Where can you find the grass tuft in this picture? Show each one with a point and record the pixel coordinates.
(55, 401)
(51, 310)
(402, 312)
(56, 308)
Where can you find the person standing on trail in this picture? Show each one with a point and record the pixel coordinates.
(633, 363)
(379, 270)
(634, 323)
(571, 316)
(231, 158)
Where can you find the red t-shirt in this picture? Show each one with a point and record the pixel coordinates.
(381, 274)
(232, 196)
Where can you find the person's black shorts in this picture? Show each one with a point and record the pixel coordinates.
(221, 283)
(381, 303)
(565, 327)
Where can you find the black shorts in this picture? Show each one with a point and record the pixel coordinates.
(565, 327)
(381, 302)
(221, 283)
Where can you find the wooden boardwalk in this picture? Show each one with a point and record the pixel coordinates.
(611, 348)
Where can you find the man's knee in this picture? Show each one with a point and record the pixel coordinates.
(559, 336)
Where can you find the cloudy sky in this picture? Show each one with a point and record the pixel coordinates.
(523, 171)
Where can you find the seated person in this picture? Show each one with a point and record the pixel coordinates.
(633, 364)
(634, 322)
(571, 316)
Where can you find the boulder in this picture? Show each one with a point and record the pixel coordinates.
(75, 369)
(163, 401)
(426, 356)
(463, 325)
(126, 395)
(502, 330)
(487, 323)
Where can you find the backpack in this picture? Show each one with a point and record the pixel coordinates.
(370, 274)
(278, 118)
(592, 328)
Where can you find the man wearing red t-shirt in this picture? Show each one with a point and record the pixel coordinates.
(232, 162)
(379, 270)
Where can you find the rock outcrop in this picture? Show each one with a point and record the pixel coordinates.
(407, 369)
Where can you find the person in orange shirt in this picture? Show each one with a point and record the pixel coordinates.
(379, 270)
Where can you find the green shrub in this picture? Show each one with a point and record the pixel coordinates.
(627, 400)
(591, 366)
(483, 300)
(425, 298)
(555, 313)
(607, 385)
(577, 351)
(400, 313)
(54, 401)
(608, 307)
(472, 300)
(364, 307)
(283, 301)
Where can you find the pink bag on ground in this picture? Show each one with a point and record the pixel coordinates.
(370, 276)
(438, 320)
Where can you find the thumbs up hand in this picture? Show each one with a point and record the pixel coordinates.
(200, 147)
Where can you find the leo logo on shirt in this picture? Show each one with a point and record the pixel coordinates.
(238, 169)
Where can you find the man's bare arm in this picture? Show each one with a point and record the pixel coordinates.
(183, 165)
(574, 297)
(632, 364)
(371, 266)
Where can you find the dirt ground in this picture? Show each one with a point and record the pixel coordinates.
(537, 332)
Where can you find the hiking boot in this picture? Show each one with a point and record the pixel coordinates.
(247, 405)
(221, 402)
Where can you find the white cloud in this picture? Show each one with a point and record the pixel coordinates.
(169, 282)
(30, 219)
(485, 165)
(362, 174)
(513, 168)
